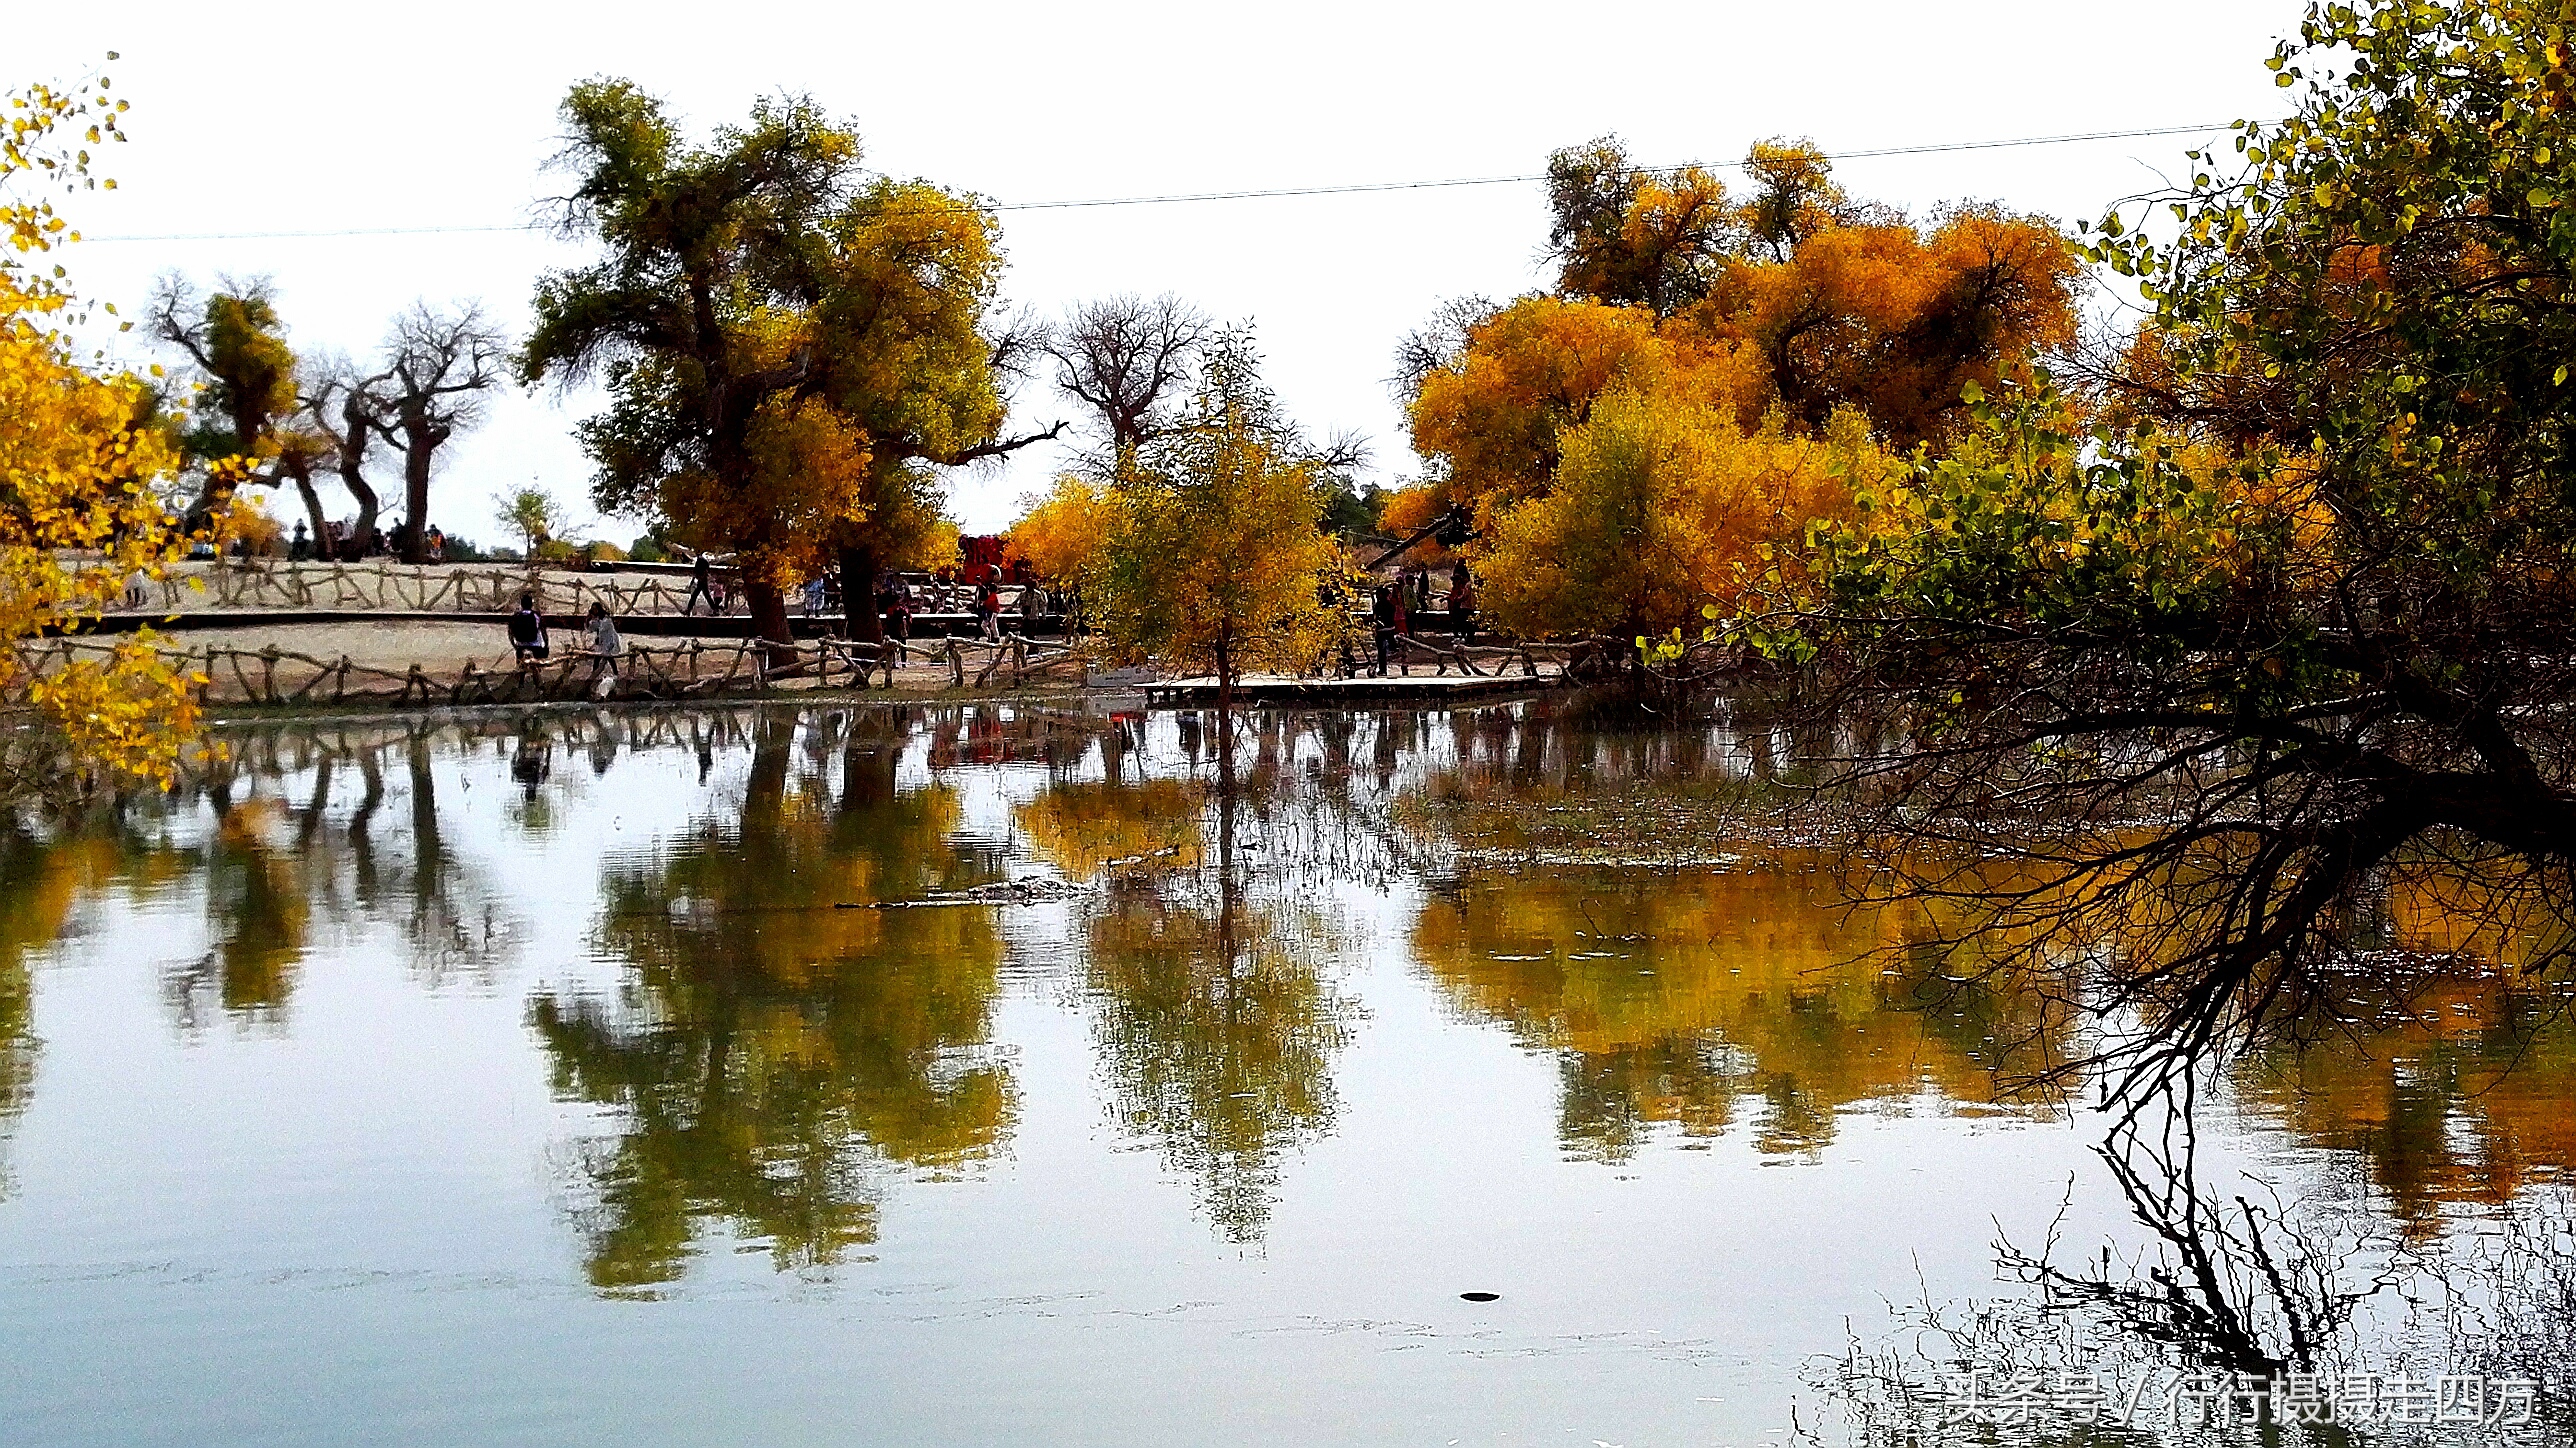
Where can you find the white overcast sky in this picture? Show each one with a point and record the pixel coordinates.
(295, 117)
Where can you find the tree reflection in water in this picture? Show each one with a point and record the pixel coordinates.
(1214, 1020)
(1215, 1029)
(1672, 999)
(294, 852)
(2235, 1316)
(40, 882)
(779, 1046)
(770, 1063)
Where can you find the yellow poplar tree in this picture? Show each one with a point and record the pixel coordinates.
(790, 348)
(1215, 558)
(1601, 439)
(1062, 533)
(80, 463)
(1662, 508)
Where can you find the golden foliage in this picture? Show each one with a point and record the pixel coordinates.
(32, 156)
(78, 519)
(1894, 322)
(1493, 417)
(1081, 828)
(836, 352)
(1678, 999)
(1718, 337)
(1214, 557)
(1061, 535)
(806, 479)
(1660, 508)
(78, 513)
(1410, 510)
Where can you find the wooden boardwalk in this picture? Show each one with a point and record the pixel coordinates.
(660, 625)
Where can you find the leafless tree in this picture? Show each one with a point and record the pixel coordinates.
(1128, 359)
(1436, 343)
(438, 364)
(341, 404)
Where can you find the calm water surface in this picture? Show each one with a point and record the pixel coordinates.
(884, 1076)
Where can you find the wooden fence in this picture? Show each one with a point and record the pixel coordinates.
(447, 588)
(696, 669)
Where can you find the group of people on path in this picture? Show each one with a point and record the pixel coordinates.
(1400, 606)
(339, 541)
(600, 643)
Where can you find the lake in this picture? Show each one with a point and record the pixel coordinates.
(969, 1075)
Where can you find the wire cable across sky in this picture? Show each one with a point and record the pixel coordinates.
(1356, 188)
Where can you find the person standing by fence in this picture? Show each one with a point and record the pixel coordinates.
(528, 632)
(1462, 604)
(701, 585)
(605, 649)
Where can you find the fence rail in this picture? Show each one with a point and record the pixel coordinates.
(444, 588)
(696, 669)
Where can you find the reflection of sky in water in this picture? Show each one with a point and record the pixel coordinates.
(369, 1111)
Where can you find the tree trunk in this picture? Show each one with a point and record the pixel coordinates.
(769, 620)
(303, 479)
(1225, 724)
(365, 526)
(413, 540)
(353, 457)
(859, 595)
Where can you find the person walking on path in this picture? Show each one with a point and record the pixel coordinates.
(605, 649)
(701, 585)
(988, 608)
(894, 604)
(528, 632)
(437, 544)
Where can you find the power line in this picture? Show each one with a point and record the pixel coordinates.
(1373, 186)
(1356, 188)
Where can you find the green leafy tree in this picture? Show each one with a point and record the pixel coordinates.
(1217, 1029)
(533, 514)
(789, 346)
(2285, 614)
(237, 342)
